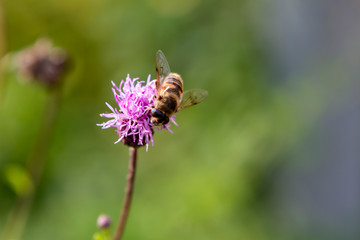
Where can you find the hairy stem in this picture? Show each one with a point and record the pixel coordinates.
(128, 193)
(35, 164)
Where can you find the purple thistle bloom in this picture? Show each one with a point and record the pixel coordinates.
(132, 118)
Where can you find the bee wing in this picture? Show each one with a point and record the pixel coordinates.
(162, 68)
(192, 97)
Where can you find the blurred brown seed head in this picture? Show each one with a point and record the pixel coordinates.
(42, 62)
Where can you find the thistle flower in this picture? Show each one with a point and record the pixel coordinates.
(132, 118)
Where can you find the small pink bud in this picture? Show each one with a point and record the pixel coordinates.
(103, 221)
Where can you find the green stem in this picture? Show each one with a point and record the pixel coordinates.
(2, 31)
(128, 193)
(35, 165)
(2, 50)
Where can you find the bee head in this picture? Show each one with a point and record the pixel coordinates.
(158, 118)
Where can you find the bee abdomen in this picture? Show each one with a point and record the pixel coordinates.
(173, 84)
(170, 94)
(172, 90)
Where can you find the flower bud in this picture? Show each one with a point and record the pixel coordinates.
(42, 62)
(103, 221)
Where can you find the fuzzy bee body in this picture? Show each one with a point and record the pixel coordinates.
(170, 97)
(170, 94)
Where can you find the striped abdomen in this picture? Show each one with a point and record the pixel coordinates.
(170, 94)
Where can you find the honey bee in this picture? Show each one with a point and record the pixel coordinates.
(170, 98)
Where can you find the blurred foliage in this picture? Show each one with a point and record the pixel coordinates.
(211, 179)
(18, 179)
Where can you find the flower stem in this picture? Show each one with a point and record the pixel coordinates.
(35, 164)
(128, 193)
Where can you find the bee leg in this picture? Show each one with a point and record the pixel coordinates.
(152, 97)
(146, 110)
(149, 107)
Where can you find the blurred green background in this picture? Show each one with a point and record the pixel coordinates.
(273, 153)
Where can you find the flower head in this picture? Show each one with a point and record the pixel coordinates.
(132, 117)
(42, 62)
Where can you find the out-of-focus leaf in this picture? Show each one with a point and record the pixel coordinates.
(18, 179)
(98, 236)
